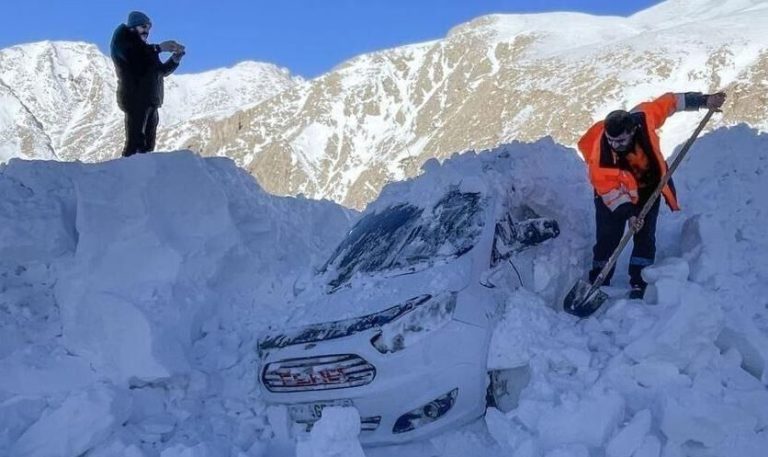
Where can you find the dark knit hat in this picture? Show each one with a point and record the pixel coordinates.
(618, 122)
(137, 18)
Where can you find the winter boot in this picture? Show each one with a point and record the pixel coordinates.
(636, 282)
(637, 292)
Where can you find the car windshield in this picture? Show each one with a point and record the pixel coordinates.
(404, 235)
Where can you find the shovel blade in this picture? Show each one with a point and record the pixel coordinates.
(583, 299)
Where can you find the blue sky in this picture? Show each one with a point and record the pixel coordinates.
(308, 37)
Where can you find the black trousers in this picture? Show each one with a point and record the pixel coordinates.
(610, 228)
(140, 129)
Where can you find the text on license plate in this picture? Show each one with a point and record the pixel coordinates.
(311, 412)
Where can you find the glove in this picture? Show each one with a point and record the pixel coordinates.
(177, 56)
(715, 101)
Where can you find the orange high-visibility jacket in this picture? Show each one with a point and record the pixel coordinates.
(615, 185)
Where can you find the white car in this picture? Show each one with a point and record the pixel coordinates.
(413, 361)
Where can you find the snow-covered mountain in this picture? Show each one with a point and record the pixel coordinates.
(378, 117)
(58, 99)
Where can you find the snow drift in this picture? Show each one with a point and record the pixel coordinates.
(133, 292)
(681, 374)
(130, 282)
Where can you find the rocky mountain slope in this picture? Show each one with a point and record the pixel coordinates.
(378, 117)
(58, 99)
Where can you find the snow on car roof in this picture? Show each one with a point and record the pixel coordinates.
(526, 173)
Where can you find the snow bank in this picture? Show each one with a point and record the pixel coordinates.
(543, 176)
(134, 291)
(681, 373)
(143, 282)
(724, 236)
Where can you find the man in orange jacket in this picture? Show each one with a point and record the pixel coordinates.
(625, 165)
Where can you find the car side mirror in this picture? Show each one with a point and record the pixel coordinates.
(512, 237)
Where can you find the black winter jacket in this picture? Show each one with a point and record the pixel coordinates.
(139, 70)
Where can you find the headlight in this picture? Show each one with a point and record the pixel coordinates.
(426, 414)
(414, 325)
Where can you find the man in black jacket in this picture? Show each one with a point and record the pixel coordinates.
(140, 76)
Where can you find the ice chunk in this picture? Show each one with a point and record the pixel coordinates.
(510, 435)
(589, 421)
(334, 435)
(79, 424)
(16, 415)
(631, 437)
(659, 375)
(684, 332)
(666, 280)
(651, 447)
(32, 372)
(698, 416)
(114, 334)
(670, 267)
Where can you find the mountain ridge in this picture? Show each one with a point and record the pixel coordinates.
(498, 78)
(67, 90)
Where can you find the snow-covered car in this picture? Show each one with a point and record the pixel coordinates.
(402, 328)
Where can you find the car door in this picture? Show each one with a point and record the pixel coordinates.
(517, 230)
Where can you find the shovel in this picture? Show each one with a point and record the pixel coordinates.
(584, 298)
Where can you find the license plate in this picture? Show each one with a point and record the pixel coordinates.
(311, 412)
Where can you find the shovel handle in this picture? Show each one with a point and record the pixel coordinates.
(647, 207)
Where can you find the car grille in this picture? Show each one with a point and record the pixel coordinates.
(318, 373)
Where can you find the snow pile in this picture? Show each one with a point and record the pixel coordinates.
(544, 177)
(82, 421)
(133, 293)
(681, 373)
(724, 238)
(636, 377)
(530, 180)
(334, 435)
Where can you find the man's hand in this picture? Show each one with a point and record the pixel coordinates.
(635, 224)
(178, 55)
(715, 101)
(170, 46)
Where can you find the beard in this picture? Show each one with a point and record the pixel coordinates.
(144, 36)
(626, 147)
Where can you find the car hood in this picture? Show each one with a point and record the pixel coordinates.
(367, 302)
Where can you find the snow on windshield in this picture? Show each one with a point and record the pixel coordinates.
(403, 235)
